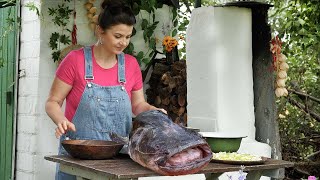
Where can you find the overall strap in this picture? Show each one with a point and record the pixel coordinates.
(88, 63)
(121, 69)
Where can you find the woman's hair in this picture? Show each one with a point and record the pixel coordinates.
(115, 12)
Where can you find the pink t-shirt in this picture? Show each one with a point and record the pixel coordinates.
(71, 71)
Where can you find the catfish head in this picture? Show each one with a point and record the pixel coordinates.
(165, 147)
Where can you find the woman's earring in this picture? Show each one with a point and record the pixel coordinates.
(100, 41)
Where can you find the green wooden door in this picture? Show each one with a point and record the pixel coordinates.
(8, 48)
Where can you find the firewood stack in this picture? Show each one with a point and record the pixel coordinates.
(168, 89)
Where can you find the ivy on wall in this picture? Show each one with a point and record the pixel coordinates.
(148, 26)
(13, 24)
(143, 10)
(60, 17)
(62, 12)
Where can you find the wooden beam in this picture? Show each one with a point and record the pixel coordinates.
(4, 4)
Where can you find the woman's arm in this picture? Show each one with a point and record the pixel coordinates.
(58, 92)
(140, 105)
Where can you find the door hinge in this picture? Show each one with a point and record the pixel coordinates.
(9, 97)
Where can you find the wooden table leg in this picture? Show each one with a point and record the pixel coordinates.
(211, 176)
(254, 175)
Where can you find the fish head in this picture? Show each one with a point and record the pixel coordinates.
(165, 147)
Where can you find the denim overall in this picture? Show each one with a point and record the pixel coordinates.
(102, 109)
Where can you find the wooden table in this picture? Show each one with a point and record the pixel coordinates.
(124, 168)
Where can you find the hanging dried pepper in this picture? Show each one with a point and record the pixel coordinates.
(74, 28)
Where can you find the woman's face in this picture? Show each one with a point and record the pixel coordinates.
(116, 38)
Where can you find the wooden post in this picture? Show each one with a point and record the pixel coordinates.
(197, 3)
(263, 80)
(267, 130)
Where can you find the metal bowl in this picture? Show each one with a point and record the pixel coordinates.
(193, 129)
(223, 142)
(92, 149)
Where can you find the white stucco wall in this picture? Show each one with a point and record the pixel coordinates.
(29, 113)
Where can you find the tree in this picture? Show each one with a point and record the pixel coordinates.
(297, 24)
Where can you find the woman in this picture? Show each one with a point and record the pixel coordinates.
(101, 85)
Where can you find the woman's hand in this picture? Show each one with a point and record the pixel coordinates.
(63, 127)
(159, 109)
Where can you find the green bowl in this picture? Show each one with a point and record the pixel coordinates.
(222, 142)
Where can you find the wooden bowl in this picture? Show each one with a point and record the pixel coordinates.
(92, 149)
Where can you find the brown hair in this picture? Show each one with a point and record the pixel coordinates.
(115, 12)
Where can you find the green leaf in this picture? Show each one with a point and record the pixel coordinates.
(302, 31)
(174, 13)
(145, 6)
(144, 24)
(288, 25)
(129, 49)
(140, 55)
(301, 21)
(175, 23)
(134, 31)
(152, 3)
(151, 54)
(135, 8)
(51, 11)
(32, 7)
(64, 39)
(56, 55)
(149, 33)
(174, 33)
(159, 5)
(152, 43)
(1, 62)
(145, 36)
(53, 43)
(145, 60)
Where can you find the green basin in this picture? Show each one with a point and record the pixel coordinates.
(222, 142)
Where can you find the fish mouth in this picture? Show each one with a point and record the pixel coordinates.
(188, 161)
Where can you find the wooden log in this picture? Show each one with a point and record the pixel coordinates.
(177, 67)
(174, 109)
(182, 89)
(185, 119)
(166, 78)
(174, 100)
(154, 82)
(164, 92)
(172, 83)
(183, 73)
(168, 89)
(157, 101)
(177, 120)
(182, 99)
(179, 80)
(160, 69)
(172, 116)
(181, 111)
